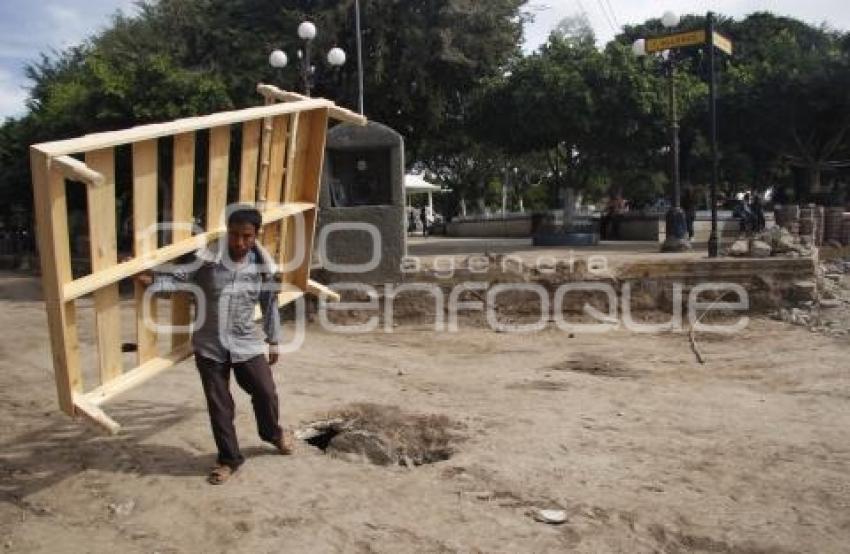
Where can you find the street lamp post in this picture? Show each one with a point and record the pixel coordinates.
(307, 32)
(360, 102)
(676, 225)
(713, 243)
(712, 41)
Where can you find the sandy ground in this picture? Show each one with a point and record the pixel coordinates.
(646, 450)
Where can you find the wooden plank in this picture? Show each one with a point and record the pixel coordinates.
(288, 233)
(301, 275)
(265, 153)
(274, 190)
(51, 213)
(86, 409)
(144, 239)
(307, 168)
(137, 376)
(280, 126)
(289, 193)
(219, 160)
(310, 155)
(182, 206)
(76, 170)
(321, 291)
(250, 158)
(340, 114)
(103, 240)
(85, 285)
(99, 141)
(183, 185)
(284, 298)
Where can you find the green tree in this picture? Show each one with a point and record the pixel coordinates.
(186, 57)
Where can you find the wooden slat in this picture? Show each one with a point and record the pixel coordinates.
(274, 190)
(301, 275)
(265, 157)
(137, 376)
(284, 298)
(321, 291)
(86, 285)
(315, 157)
(183, 185)
(76, 170)
(280, 126)
(111, 139)
(219, 160)
(94, 414)
(144, 239)
(51, 213)
(340, 114)
(103, 240)
(307, 168)
(250, 158)
(288, 232)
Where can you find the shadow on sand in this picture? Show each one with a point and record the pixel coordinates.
(42, 458)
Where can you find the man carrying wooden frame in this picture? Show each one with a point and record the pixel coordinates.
(228, 279)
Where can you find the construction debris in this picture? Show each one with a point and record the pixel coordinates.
(822, 306)
(776, 241)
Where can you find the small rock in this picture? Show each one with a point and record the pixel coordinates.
(828, 295)
(739, 248)
(760, 249)
(552, 517)
(804, 290)
(123, 509)
(830, 303)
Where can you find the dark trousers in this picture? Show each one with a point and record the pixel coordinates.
(254, 377)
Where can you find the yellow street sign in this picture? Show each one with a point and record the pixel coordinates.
(722, 43)
(679, 40)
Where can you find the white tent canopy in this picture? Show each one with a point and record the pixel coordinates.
(416, 184)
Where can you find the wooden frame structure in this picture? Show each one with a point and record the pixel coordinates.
(282, 153)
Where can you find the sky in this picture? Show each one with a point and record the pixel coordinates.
(28, 27)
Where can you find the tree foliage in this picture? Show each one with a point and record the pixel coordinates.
(450, 76)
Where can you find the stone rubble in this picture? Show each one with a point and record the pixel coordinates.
(776, 241)
(822, 306)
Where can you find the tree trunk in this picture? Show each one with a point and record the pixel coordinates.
(814, 179)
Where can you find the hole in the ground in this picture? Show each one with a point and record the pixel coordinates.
(383, 435)
(322, 439)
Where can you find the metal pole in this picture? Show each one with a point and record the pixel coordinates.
(359, 58)
(676, 224)
(505, 192)
(674, 138)
(713, 246)
(307, 70)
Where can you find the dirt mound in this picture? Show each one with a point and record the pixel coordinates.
(383, 435)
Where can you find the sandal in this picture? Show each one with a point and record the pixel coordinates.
(220, 474)
(286, 444)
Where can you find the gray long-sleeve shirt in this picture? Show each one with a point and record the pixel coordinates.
(226, 295)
